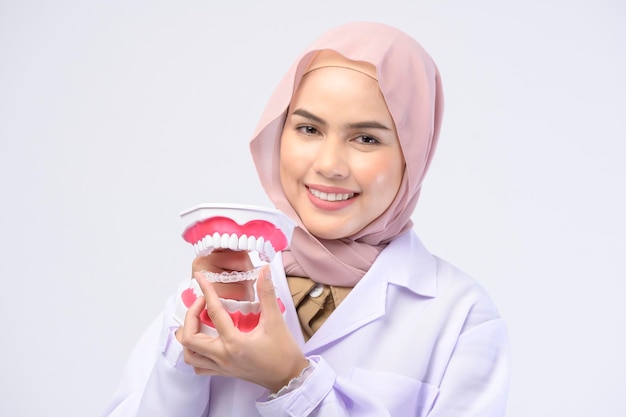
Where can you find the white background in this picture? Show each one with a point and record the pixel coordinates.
(116, 115)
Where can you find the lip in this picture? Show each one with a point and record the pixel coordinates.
(330, 205)
(330, 189)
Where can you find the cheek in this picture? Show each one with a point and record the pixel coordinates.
(393, 176)
(288, 166)
(387, 175)
(291, 145)
(293, 158)
(383, 179)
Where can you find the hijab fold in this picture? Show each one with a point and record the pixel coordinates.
(410, 83)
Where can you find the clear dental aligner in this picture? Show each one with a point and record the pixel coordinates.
(234, 227)
(233, 276)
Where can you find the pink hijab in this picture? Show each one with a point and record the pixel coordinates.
(410, 83)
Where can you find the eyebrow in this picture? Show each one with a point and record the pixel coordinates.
(358, 125)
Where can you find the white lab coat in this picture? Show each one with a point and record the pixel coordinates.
(415, 337)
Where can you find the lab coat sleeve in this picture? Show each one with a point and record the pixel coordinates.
(322, 394)
(157, 382)
(325, 394)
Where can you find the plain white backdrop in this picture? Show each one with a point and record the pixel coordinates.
(115, 116)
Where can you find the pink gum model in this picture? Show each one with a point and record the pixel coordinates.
(235, 227)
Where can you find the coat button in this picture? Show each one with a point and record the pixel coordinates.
(316, 291)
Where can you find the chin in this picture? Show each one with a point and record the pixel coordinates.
(327, 232)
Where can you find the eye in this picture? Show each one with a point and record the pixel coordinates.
(307, 130)
(367, 140)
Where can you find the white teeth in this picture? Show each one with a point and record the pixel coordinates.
(268, 252)
(234, 242)
(242, 244)
(244, 307)
(232, 306)
(330, 196)
(251, 243)
(204, 246)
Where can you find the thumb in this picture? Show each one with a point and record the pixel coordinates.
(267, 296)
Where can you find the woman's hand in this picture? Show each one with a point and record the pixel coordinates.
(222, 260)
(227, 261)
(267, 356)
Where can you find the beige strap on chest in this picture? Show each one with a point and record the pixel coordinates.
(314, 302)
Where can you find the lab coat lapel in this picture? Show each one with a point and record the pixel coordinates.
(406, 263)
(365, 303)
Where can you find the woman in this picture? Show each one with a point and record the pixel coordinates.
(375, 325)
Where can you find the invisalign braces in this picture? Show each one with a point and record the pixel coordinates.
(233, 276)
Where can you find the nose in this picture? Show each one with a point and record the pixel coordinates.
(331, 158)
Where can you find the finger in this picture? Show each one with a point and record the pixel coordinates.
(191, 325)
(219, 316)
(267, 296)
(199, 361)
(201, 263)
(205, 372)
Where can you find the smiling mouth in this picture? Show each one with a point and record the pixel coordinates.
(233, 227)
(331, 196)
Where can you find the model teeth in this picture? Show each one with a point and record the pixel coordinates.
(330, 196)
(232, 306)
(233, 242)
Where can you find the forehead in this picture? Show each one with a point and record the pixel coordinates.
(329, 58)
(338, 93)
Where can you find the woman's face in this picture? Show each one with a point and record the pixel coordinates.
(340, 158)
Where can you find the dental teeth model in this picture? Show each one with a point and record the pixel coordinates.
(233, 227)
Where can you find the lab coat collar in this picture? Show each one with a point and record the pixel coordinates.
(406, 263)
(410, 265)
